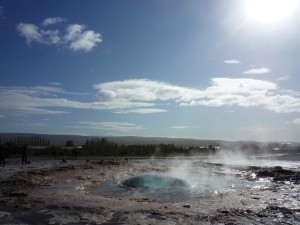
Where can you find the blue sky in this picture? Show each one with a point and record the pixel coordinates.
(197, 69)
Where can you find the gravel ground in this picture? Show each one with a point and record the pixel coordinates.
(57, 192)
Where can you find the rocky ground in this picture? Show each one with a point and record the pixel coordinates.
(61, 193)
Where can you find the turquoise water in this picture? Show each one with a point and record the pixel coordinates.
(154, 181)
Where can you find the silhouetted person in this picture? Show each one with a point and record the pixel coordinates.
(24, 154)
(75, 152)
(2, 155)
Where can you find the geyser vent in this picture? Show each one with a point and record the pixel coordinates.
(153, 181)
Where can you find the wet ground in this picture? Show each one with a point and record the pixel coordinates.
(92, 192)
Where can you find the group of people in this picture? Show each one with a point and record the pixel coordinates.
(24, 150)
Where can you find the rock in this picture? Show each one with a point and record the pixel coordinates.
(3, 213)
(224, 211)
(80, 178)
(18, 194)
(278, 174)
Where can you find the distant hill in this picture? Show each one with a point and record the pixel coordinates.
(129, 140)
(125, 140)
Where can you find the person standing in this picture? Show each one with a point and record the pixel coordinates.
(24, 154)
(2, 155)
(75, 152)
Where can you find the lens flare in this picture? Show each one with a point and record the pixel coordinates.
(270, 11)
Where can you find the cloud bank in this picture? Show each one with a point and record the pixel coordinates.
(148, 96)
(223, 91)
(75, 36)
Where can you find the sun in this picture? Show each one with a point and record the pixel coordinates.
(270, 11)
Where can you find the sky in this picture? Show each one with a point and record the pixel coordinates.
(204, 69)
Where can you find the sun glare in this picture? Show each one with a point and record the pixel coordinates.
(270, 11)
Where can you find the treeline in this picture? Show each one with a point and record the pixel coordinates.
(12, 146)
(102, 147)
(29, 141)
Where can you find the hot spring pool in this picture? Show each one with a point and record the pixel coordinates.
(154, 181)
(166, 188)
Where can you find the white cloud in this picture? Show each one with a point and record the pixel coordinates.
(232, 61)
(79, 39)
(144, 90)
(73, 31)
(258, 71)
(75, 36)
(52, 37)
(226, 91)
(282, 103)
(30, 32)
(53, 20)
(283, 78)
(221, 86)
(112, 126)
